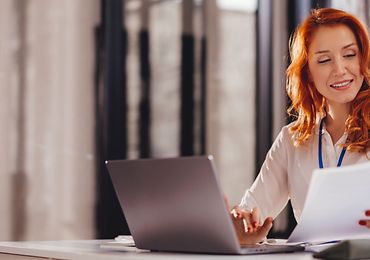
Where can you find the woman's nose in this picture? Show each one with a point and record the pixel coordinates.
(339, 68)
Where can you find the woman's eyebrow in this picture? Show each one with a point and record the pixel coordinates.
(345, 47)
(349, 45)
(322, 51)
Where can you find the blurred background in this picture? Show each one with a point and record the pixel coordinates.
(84, 81)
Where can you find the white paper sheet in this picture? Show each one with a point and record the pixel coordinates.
(336, 200)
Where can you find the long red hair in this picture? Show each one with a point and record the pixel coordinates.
(307, 102)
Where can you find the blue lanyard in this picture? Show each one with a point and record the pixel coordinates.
(321, 164)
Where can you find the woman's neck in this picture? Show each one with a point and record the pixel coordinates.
(336, 116)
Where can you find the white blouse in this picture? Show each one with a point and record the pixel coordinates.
(287, 171)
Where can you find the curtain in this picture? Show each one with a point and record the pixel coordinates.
(231, 90)
(230, 77)
(361, 9)
(47, 188)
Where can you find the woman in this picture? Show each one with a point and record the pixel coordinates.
(328, 83)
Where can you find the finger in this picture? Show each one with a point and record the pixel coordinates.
(367, 213)
(258, 236)
(247, 219)
(243, 216)
(240, 229)
(226, 202)
(255, 217)
(247, 226)
(364, 222)
(265, 228)
(236, 212)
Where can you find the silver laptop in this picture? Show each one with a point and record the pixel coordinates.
(176, 204)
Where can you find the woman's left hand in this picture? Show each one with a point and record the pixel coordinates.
(365, 222)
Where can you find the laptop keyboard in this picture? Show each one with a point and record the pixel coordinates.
(268, 249)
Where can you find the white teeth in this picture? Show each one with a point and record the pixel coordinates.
(341, 84)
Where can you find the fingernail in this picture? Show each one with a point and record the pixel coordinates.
(367, 213)
(255, 225)
(362, 222)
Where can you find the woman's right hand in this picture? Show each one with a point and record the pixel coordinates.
(248, 228)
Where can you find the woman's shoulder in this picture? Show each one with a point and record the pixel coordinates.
(286, 133)
(289, 137)
(285, 136)
(286, 128)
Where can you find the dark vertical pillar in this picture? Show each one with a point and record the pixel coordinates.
(299, 9)
(111, 115)
(187, 81)
(367, 12)
(203, 81)
(302, 9)
(19, 178)
(322, 3)
(264, 81)
(203, 94)
(144, 107)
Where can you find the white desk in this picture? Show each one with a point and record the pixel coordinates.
(90, 250)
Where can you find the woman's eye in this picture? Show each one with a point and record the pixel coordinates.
(350, 55)
(323, 61)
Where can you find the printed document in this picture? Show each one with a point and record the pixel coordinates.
(336, 200)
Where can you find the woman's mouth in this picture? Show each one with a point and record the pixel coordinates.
(342, 84)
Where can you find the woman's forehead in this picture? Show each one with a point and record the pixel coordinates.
(331, 38)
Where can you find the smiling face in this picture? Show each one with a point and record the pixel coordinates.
(334, 64)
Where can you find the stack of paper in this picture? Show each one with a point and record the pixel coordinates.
(336, 200)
